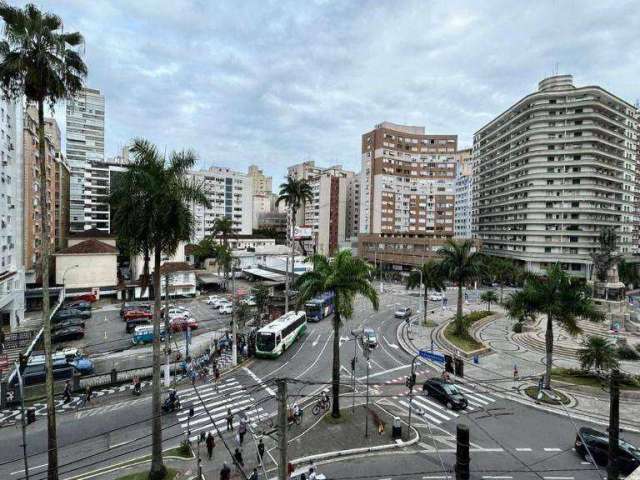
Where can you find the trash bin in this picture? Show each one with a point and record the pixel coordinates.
(476, 359)
(114, 375)
(448, 363)
(459, 364)
(396, 429)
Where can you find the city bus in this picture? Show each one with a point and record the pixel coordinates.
(320, 307)
(275, 337)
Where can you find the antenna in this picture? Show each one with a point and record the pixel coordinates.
(556, 68)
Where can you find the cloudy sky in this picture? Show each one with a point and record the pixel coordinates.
(278, 82)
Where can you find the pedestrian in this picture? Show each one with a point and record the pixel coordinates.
(229, 420)
(290, 469)
(242, 430)
(67, 392)
(260, 451)
(210, 444)
(237, 455)
(303, 476)
(312, 473)
(225, 472)
(2, 340)
(515, 373)
(87, 398)
(254, 474)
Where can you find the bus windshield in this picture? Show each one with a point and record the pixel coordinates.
(266, 342)
(312, 308)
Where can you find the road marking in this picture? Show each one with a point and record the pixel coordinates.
(316, 342)
(434, 477)
(260, 382)
(558, 478)
(497, 476)
(524, 450)
(553, 450)
(317, 358)
(377, 374)
(392, 345)
(30, 468)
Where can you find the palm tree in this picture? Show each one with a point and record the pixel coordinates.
(501, 271)
(242, 313)
(562, 299)
(223, 226)
(38, 60)
(430, 274)
(346, 276)
(224, 259)
(460, 265)
(597, 352)
(489, 297)
(261, 296)
(151, 205)
(294, 193)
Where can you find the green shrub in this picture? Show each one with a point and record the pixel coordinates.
(185, 448)
(475, 316)
(517, 327)
(625, 352)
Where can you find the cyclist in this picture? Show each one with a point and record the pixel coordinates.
(324, 399)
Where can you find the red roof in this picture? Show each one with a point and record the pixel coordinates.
(88, 247)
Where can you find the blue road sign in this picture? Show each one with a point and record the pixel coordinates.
(433, 356)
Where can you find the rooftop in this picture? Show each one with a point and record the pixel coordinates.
(91, 246)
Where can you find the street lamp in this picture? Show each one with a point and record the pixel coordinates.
(64, 274)
(355, 333)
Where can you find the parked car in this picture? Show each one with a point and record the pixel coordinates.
(227, 308)
(178, 312)
(445, 392)
(132, 323)
(66, 334)
(220, 302)
(68, 323)
(213, 299)
(369, 337)
(131, 314)
(65, 313)
(402, 312)
(144, 334)
(598, 444)
(34, 372)
(78, 305)
(83, 365)
(180, 324)
(250, 301)
(130, 306)
(435, 297)
(89, 297)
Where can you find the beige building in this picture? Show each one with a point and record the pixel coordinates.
(88, 265)
(407, 194)
(552, 171)
(260, 182)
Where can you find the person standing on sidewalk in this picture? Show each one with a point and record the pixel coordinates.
(260, 451)
(225, 472)
(242, 429)
(229, 420)
(67, 392)
(237, 455)
(210, 444)
(254, 474)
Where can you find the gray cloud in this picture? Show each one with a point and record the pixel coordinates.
(278, 82)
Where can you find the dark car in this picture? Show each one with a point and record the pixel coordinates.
(68, 323)
(33, 374)
(65, 313)
(445, 392)
(78, 305)
(134, 322)
(598, 445)
(66, 334)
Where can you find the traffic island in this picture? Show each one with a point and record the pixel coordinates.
(549, 397)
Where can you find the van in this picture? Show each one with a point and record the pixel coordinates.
(136, 322)
(144, 334)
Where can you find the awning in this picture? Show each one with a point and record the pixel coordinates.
(266, 274)
(209, 278)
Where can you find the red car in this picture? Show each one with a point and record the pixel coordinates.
(180, 324)
(131, 314)
(87, 297)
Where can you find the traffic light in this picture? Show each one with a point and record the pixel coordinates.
(31, 415)
(410, 381)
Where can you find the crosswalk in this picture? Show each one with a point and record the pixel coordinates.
(435, 412)
(210, 405)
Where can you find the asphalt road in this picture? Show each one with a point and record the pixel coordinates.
(509, 440)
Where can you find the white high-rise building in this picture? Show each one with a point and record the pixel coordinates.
(85, 143)
(230, 194)
(98, 178)
(552, 171)
(463, 204)
(11, 208)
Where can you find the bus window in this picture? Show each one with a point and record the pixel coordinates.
(266, 341)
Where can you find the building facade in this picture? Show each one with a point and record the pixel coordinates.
(84, 144)
(463, 195)
(98, 178)
(407, 191)
(552, 171)
(230, 194)
(353, 206)
(12, 278)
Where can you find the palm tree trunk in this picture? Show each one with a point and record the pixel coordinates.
(548, 337)
(424, 317)
(52, 436)
(459, 322)
(501, 290)
(335, 370)
(158, 469)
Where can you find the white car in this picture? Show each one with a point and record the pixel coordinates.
(436, 297)
(402, 312)
(178, 312)
(213, 299)
(250, 301)
(226, 309)
(218, 301)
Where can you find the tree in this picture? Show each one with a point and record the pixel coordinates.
(224, 259)
(346, 276)
(242, 312)
(151, 204)
(294, 193)
(430, 273)
(38, 60)
(223, 227)
(261, 296)
(460, 265)
(501, 271)
(489, 297)
(605, 257)
(206, 248)
(628, 273)
(597, 352)
(562, 299)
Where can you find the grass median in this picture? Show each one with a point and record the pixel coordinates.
(464, 341)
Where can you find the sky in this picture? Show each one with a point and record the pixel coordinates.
(275, 83)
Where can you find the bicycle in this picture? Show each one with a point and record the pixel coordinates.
(321, 406)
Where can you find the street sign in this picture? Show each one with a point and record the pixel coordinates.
(433, 356)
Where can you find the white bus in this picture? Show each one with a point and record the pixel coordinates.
(277, 336)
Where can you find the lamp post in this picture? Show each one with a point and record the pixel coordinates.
(355, 333)
(64, 274)
(24, 422)
(234, 345)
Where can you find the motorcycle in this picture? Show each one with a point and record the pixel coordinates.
(171, 403)
(136, 389)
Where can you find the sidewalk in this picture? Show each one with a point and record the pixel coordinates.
(495, 369)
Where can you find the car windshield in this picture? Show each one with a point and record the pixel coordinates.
(634, 451)
(266, 341)
(450, 389)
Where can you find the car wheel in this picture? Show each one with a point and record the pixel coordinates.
(449, 405)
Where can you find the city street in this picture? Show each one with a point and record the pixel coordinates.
(508, 439)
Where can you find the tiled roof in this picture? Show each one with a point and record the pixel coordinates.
(171, 267)
(89, 246)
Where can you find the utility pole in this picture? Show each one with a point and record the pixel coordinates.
(355, 333)
(614, 425)
(462, 452)
(411, 381)
(167, 334)
(24, 423)
(234, 333)
(282, 426)
(367, 353)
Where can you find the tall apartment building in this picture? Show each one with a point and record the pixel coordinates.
(306, 171)
(85, 143)
(32, 222)
(98, 178)
(353, 206)
(259, 181)
(12, 280)
(463, 205)
(230, 194)
(552, 171)
(262, 193)
(407, 188)
(61, 186)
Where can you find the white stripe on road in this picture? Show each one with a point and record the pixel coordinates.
(476, 399)
(552, 449)
(441, 407)
(221, 412)
(226, 401)
(221, 392)
(484, 397)
(424, 405)
(433, 419)
(377, 374)
(558, 478)
(207, 392)
(30, 468)
(259, 381)
(524, 450)
(497, 476)
(252, 415)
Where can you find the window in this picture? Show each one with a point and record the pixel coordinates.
(575, 181)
